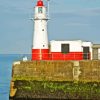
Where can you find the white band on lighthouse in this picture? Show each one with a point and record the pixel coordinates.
(40, 49)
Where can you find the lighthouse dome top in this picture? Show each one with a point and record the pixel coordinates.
(40, 3)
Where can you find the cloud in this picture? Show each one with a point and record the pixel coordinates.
(89, 12)
(86, 12)
(76, 24)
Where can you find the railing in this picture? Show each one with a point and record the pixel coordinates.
(51, 56)
(61, 56)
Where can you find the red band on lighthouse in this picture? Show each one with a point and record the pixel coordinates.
(40, 54)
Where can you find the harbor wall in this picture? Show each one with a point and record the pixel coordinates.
(86, 71)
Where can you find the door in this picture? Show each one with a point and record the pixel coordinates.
(86, 51)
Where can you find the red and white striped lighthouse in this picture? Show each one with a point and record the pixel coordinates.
(40, 50)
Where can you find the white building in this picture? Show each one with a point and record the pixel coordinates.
(70, 50)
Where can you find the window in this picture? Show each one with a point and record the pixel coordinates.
(42, 29)
(65, 48)
(40, 10)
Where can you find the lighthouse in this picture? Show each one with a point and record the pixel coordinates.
(40, 50)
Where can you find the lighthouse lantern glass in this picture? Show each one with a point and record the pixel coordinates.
(40, 9)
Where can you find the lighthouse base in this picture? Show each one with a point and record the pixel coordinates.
(40, 54)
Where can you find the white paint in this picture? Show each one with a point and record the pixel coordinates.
(75, 46)
(98, 53)
(40, 39)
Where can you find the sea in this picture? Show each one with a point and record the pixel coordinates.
(6, 62)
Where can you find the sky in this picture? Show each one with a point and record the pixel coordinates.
(69, 20)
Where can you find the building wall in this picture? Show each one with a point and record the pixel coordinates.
(96, 51)
(57, 70)
(74, 46)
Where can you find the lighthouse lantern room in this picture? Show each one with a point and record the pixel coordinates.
(40, 49)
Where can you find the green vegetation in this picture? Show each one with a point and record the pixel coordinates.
(69, 90)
